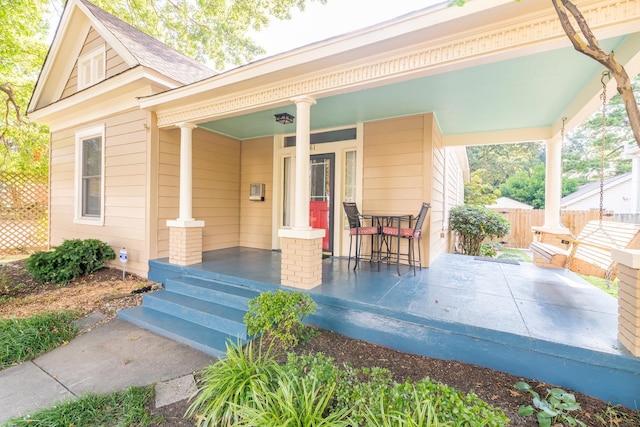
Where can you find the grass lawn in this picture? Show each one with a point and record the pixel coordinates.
(26, 339)
(126, 408)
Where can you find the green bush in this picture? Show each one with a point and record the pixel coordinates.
(280, 313)
(474, 224)
(250, 388)
(231, 384)
(74, 258)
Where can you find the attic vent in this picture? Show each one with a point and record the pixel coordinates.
(91, 67)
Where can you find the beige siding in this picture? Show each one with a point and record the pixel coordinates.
(115, 63)
(393, 166)
(124, 192)
(437, 242)
(255, 218)
(216, 187)
(405, 164)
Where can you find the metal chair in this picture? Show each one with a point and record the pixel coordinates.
(412, 233)
(357, 230)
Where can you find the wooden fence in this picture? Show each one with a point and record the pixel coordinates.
(23, 213)
(522, 220)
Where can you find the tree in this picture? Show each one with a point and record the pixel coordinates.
(479, 193)
(529, 187)
(585, 42)
(582, 151)
(499, 162)
(207, 31)
(23, 144)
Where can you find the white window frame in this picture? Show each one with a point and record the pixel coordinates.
(92, 67)
(79, 217)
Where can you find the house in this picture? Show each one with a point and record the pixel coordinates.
(617, 195)
(154, 152)
(507, 203)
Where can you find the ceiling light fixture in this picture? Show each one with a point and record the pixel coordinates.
(284, 118)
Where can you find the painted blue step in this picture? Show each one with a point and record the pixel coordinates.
(222, 318)
(197, 336)
(212, 290)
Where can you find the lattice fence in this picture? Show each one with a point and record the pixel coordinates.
(23, 213)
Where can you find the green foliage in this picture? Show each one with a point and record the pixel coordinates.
(26, 339)
(608, 286)
(529, 186)
(74, 258)
(250, 388)
(126, 408)
(294, 401)
(374, 399)
(280, 313)
(23, 145)
(474, 224)
(496, 163)
(488, 250)
(555, 407)
(232, 383)
(477, 192)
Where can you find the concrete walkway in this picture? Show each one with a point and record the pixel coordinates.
(108, 358)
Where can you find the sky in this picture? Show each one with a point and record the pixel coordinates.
(320, 22)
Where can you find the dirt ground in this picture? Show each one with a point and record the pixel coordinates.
(105, 291)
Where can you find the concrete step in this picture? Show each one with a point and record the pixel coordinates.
(220, 317)
(192, 334)
(212, 290)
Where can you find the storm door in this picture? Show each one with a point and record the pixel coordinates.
(321, 191)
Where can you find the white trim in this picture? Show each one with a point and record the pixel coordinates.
(93, 63)
(77, 202)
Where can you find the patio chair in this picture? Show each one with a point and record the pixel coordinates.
(357, 230)
(411, 233)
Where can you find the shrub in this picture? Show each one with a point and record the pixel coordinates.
(475, 224)
(72, 259)
(280, 313)
(231, 384)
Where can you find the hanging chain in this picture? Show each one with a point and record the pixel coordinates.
(603, 96)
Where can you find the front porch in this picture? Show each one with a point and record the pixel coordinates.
(539, 323)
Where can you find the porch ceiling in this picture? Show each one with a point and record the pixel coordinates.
(528, 92)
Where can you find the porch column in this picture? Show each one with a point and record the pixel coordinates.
(301, 265)
(635, 184)
(185, 233)
(628, 261)
(552, 232)
(553, 185)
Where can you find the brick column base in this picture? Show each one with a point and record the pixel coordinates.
(185, 245)
(301, 265)
(628, 298)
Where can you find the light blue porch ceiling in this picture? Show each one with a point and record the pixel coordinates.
(527, 92)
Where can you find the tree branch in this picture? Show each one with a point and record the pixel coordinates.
(585, 42)
(10, 104)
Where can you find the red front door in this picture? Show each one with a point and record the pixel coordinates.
(321, 200)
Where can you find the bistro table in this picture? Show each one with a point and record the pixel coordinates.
(388, 220)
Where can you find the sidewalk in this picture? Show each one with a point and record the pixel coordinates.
(108, 358)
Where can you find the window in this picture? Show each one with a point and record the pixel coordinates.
(90, 176)
(91, 68)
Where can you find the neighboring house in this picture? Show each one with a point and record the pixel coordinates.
(617, 196)
(507, 203)
(156, 153)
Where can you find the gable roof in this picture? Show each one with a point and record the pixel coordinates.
(135, 47)
(150, 52)
(593, 188)
(508, 203)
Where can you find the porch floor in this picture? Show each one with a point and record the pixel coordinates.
(539, 323)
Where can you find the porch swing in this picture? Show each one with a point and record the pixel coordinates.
(590, 252)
